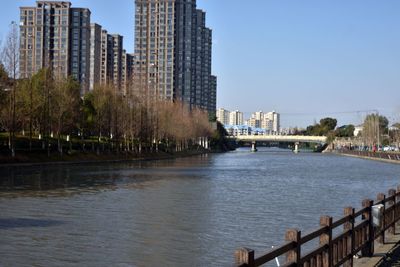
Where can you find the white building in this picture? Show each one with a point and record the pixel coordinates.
(259, 115)
(357, 130)
(237, 130)
(277, 122)
(274, 118)
(223, 116)
(236, 118)
(253, 122)
(267, 124)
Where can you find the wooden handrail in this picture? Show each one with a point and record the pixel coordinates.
(276, 252)
(313, 235)
(332, 251)
(341, 221)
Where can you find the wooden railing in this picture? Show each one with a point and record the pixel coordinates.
(357, 236)
(395, 156)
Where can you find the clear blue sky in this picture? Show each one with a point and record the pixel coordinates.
(306, 59)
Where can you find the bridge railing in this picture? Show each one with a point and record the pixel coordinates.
(357, 234)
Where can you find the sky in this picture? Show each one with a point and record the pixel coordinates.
(305, 59)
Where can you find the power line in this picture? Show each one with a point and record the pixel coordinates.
(323, 113)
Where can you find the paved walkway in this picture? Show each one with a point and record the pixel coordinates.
(385, 255)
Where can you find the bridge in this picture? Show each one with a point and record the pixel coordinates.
(296, 139)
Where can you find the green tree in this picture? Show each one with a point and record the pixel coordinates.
(323, 128)
(345, 131)
(328, 124)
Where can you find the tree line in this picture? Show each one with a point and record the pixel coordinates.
(375, 130)
(52, 108)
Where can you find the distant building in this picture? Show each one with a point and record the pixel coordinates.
(277, 122)
(117, 50)
(128, 61)
(236, 118)
(258, 131)
(267, 124)
(57, 36)
(357, 130)
(54, 35)
(173, 49)
(223, 116)
(237, 130)
(259, 115)
(253, 122)
(107, 56)
(95, 55)
(290, 131)
(108, 60)
(274, 118)
(212, 102)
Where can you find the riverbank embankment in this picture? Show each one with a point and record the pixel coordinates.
(387, 157)
(36, 159)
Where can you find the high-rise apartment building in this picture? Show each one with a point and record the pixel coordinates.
(54, 35)
(117, 50)
(173, 52)
(80, 46)
(95, 55)
(107, 56)
(154, 47)
(212, 106)
(107, 59)
(128, 61)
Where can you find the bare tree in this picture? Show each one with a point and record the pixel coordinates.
(10, 55)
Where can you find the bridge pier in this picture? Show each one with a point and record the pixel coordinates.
(254, 146)
(296, 147)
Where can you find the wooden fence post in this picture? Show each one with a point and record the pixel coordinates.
(327, 260)
(368, 250)
(382, 197)
(396, 202)
(392, 193)
(244, 257)
(350, 240)
(294, 255)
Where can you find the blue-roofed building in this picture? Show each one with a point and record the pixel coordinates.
(258, 131)
(236, 130)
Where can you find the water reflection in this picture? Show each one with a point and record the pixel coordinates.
(10, 223)
(64, 180)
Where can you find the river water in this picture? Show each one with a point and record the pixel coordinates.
(186, 212)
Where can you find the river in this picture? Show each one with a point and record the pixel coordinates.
(185, 212)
